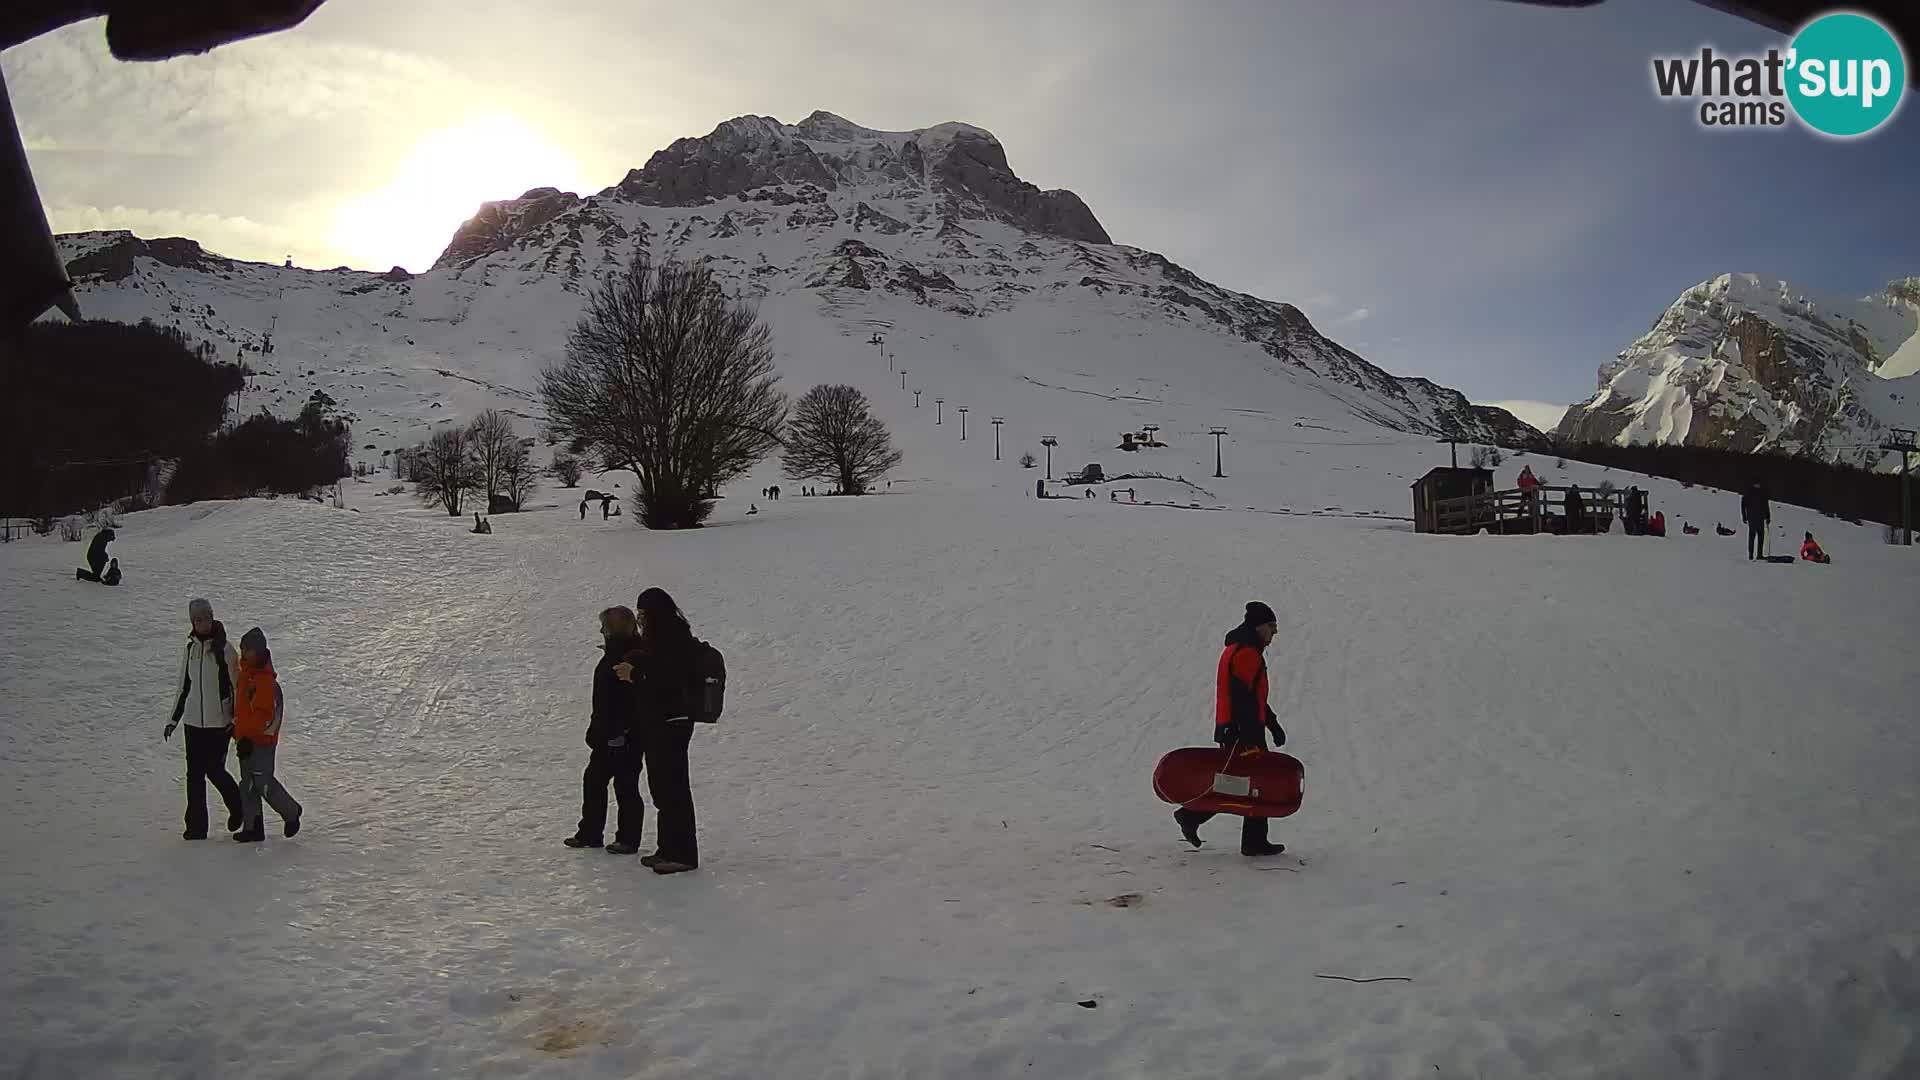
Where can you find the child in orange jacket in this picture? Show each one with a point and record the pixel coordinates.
(258, 708)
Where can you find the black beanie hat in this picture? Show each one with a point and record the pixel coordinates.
(1259, 614)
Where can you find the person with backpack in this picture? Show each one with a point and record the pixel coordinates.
(677, 679)
(613, 744)
(1757, 514)
(1242, 717)
(258, 709)
(206, 704)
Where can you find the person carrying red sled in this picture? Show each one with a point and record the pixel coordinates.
(1242, 717)
(1810, 551)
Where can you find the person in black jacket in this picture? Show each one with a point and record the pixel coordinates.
(1757, 514)
(96, 556)
(615, 749)
(661, 668)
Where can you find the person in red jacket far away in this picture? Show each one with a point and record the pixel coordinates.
(1242, 718)
(1657, 524)
(1810, 551)
(1527, 481)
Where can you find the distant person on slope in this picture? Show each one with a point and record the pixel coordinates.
(661, 668)
(1757, 514)
(206, 703)
(614, 747)
(1657, 524)
(1242, 717)
(96, 556)
(258, 708)
(1810, 551)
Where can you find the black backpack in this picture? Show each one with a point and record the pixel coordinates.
(707, 690)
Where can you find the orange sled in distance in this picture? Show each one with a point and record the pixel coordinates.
(1254, 783)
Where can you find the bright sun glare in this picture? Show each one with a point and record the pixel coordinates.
(441, 182)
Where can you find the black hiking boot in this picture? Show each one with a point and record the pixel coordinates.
(235, 819)
(1263, 851)
(649, 860)
(191, 835)
(621, 847)
(668, 866)
(292, 826)
(578, 841)
(1189, 828)
(250, 836)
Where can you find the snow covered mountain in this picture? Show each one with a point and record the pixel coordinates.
(991, 291)
(1751, 363)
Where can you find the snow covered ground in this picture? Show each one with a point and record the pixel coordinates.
(1614, 807)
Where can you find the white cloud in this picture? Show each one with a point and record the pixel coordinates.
(236, 237)
(1541, 414)
(1357, 315)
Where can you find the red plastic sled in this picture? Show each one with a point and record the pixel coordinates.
(1256, 783)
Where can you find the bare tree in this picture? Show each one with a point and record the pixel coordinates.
(567, 469)
(444, 471)
(666, 377)
(491, 440)
(834, 437)
(517, 477)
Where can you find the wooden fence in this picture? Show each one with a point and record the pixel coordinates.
(1517, 512)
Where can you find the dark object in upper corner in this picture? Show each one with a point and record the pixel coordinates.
(156, 29)
(1786, 16)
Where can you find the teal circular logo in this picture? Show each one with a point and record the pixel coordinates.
(1845, 74)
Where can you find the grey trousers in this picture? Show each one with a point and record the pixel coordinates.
(257, 782)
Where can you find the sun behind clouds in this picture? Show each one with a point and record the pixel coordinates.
(440, 183)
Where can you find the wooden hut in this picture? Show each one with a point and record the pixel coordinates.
(1444, 482)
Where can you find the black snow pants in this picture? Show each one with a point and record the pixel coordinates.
(207, 761)
(1757, 539)
(667, 781)
(621, 765)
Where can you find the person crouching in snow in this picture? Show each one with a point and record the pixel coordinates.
(1242, 717)
(206, 704)
(258, 708)
(615, 748)
(1810, 551)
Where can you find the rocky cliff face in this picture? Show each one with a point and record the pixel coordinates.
(965, 165)
(499, 224)
(1748, 363)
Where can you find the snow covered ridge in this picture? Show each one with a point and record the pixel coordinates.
(839, 232)
(1747, 362)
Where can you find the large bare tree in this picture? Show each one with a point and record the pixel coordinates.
(517, 476)
(444, 471)
(492, 442)
(834, 437)
(668, 378)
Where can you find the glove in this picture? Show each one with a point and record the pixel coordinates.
(243, 748)
(1279, 733)
(167, 732)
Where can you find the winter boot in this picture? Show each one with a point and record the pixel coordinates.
(621, 847)
(235, 819)
(292, 826)
(578, 841)
(1263, 851)
(668, 866)
(250, 836)
(649, 860)
(1189, 828)
(191, 835)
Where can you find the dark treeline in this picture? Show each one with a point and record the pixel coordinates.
(1844, 491)
(92, 408)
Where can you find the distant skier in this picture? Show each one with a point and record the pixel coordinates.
(1757, 514)
(258, 709)
(1810, 551)
(1242, 717)
(96, 556)
(615, 750)
(206, 704)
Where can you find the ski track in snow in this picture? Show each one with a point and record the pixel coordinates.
(1615, 808)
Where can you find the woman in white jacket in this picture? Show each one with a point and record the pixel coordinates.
(206, 704)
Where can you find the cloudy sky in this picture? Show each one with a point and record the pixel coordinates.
(1486, 194)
